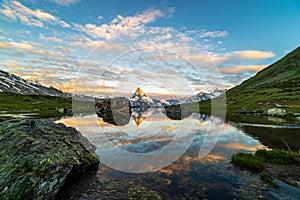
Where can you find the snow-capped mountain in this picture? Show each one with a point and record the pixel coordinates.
(15, 84)
(161, 102)
(139, 114)
(201, 96)
(139, 99)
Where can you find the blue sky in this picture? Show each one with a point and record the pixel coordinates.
(78, 44)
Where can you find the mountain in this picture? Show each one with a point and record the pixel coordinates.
(140, 99)
(278, 85)
(201, 96)
(139, 92)
(139, 115)
(10, 83)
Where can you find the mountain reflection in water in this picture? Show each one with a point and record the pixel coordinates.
(209, 174)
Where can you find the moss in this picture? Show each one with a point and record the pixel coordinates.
(259, 161)
(276, 156)
(248, 161)
(89, 158)
(268, 179)
(140, 192)
(34, 157)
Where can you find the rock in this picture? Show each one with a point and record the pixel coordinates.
(243, 111)
(61, 110)
(297, 114)
(38, 156)
(281, 106)
(276, 112)
(179, 112)
(298, 118)
(116, 111)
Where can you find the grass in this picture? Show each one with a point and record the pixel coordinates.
(140, 192)
(259, 161)
(248, 161)
(279, 83)
(268, 179)
(43, 106)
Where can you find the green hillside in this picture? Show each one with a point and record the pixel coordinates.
(39, 105)
(277, 84)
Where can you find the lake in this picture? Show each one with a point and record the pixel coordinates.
(188, 158)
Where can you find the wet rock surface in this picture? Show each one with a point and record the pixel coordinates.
(38, 156)
(288, 174)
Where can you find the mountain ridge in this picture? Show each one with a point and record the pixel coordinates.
(277, 84)
(10, 83)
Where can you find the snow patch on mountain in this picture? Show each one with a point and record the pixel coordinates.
(140, 99)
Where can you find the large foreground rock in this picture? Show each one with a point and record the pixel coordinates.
(37, 156)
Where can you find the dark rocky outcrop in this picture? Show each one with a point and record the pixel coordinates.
(179, 112)
(38, 156)
(115, 111)
(240, 111)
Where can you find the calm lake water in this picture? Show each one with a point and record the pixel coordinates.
(183, 159)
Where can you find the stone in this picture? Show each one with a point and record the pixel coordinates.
(38, 156)
(243, 111)
(276, 112)
(61, 110)
(297, 114)
(115, 111)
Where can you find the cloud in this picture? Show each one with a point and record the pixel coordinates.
(243, 68)
(16, 10)
(15, 45)
(64, 2)
(64, 49)
(252, 54)
(8, 13)
(129, 26)
(212, 34)
(54, 39)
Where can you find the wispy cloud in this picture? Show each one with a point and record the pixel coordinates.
(252, 54)
(66, 49)
(100, 17)
(15, 45)
(54, 39)
(65, 2)
(242, 68)
(16, 10)
(128, 26)
(212, 34)
(164, 52)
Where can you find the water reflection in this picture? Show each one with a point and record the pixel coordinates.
(115, 111)
(203, 170)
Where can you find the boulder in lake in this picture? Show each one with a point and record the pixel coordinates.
(115, 111)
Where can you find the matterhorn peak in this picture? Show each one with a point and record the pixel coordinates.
(139, 92)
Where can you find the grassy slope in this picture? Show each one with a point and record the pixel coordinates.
(44, 106)
(279, 83)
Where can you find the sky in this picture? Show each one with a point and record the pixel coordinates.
(166, 47)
